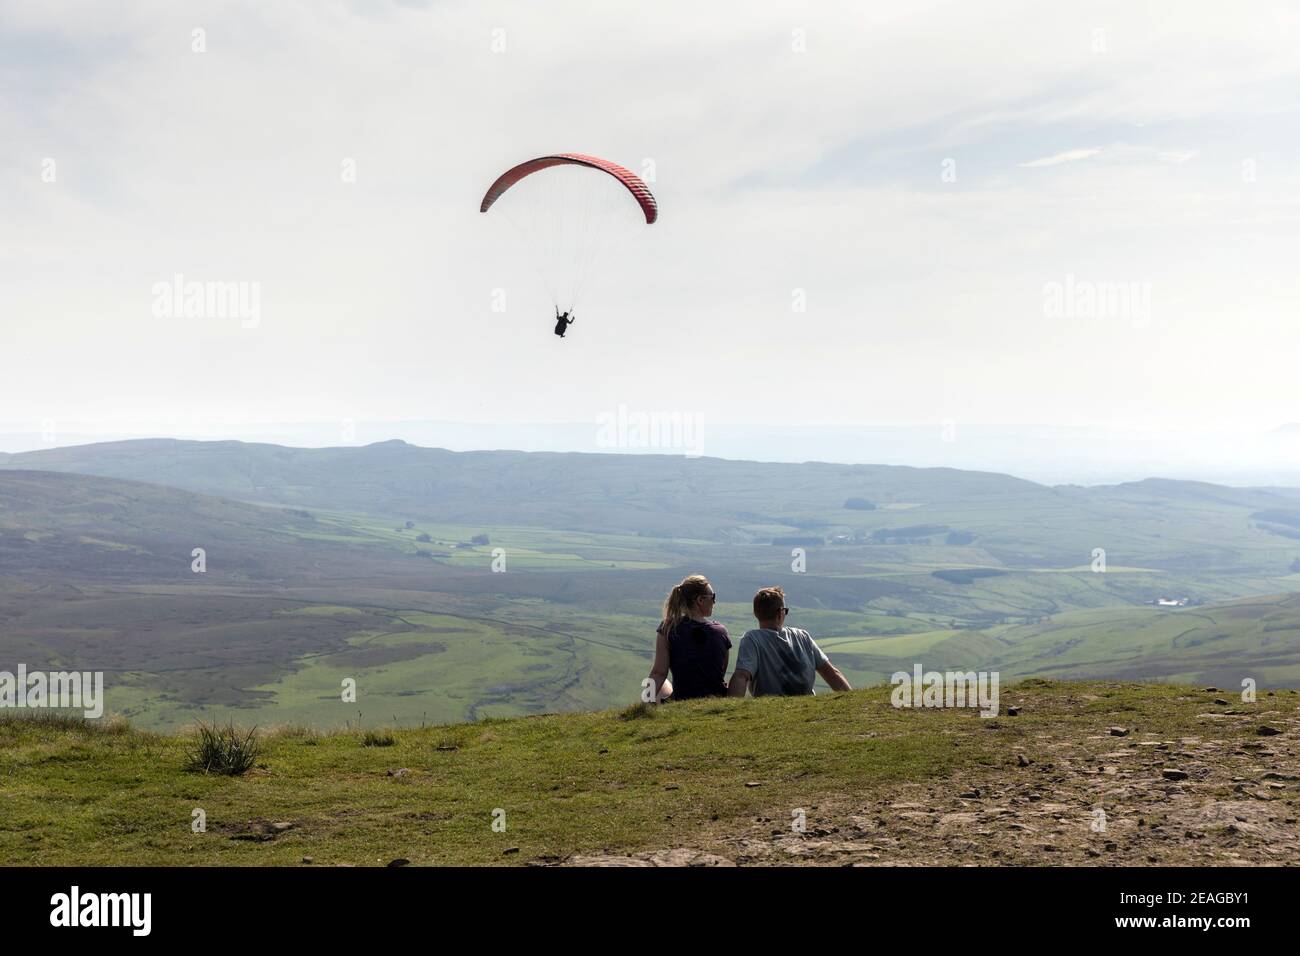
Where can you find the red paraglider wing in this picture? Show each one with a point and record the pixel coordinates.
(628, 178)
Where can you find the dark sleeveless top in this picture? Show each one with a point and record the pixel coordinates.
(697, 659)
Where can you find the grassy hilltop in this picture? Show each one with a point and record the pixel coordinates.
(1191, 779)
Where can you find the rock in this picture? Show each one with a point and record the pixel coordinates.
(1119, 731)
(1013, 711)
(675, 857)
(400, 861)
(281, 826)
(1221, 702)
(1274, 775)
(1022, 760)
(753, 783)
(971, 794)
(510, 849)
(1266, 731)
(307, 859)
(1172, 773)
(399, 772)
(1211, 690)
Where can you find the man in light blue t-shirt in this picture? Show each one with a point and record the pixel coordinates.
(775, 659)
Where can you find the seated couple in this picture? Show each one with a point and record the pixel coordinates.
(773, 658)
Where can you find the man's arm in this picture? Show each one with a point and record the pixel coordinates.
(831, 674)
(739, 683)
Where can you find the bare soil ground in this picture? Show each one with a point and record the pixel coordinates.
(1224, 793)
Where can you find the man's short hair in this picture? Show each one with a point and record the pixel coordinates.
(768, 603)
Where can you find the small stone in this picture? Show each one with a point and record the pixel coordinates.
(400, 861)
(510, 849)
(399, 772)
(1013, 711)
(1119, 731)
(753, 783)
(1022, 760)
(307, 859)
(1266, 731)
(1211, 690)
(1172, 773)
(1221, 702)
(281, 827)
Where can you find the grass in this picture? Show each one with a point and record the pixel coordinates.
(225, 750)
(620, 780)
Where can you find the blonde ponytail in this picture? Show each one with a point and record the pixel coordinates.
(681, 597)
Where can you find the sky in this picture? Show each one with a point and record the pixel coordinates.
(923, 214)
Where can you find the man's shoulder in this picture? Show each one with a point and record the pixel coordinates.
(804, 640)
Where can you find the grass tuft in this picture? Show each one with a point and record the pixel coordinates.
(637, 711)
(224, 750)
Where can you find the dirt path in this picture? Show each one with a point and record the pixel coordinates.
(1223, 794)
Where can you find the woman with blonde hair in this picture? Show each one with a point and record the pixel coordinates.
(690, 645)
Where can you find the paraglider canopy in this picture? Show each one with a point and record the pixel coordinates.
(628, 178)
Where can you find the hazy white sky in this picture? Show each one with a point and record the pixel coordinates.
(1152, 146)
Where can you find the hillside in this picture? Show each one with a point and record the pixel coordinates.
(96, 573)
(1005, 520)
(1193, 779)
(601, 492)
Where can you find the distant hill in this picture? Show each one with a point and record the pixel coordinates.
(83, 527)
(652, 493)
(702, 498)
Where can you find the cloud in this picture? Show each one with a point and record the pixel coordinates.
(1069, 156)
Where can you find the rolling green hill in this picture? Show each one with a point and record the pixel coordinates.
(377, 564)
(1168, 524)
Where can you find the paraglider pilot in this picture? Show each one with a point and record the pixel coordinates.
(562, 322)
